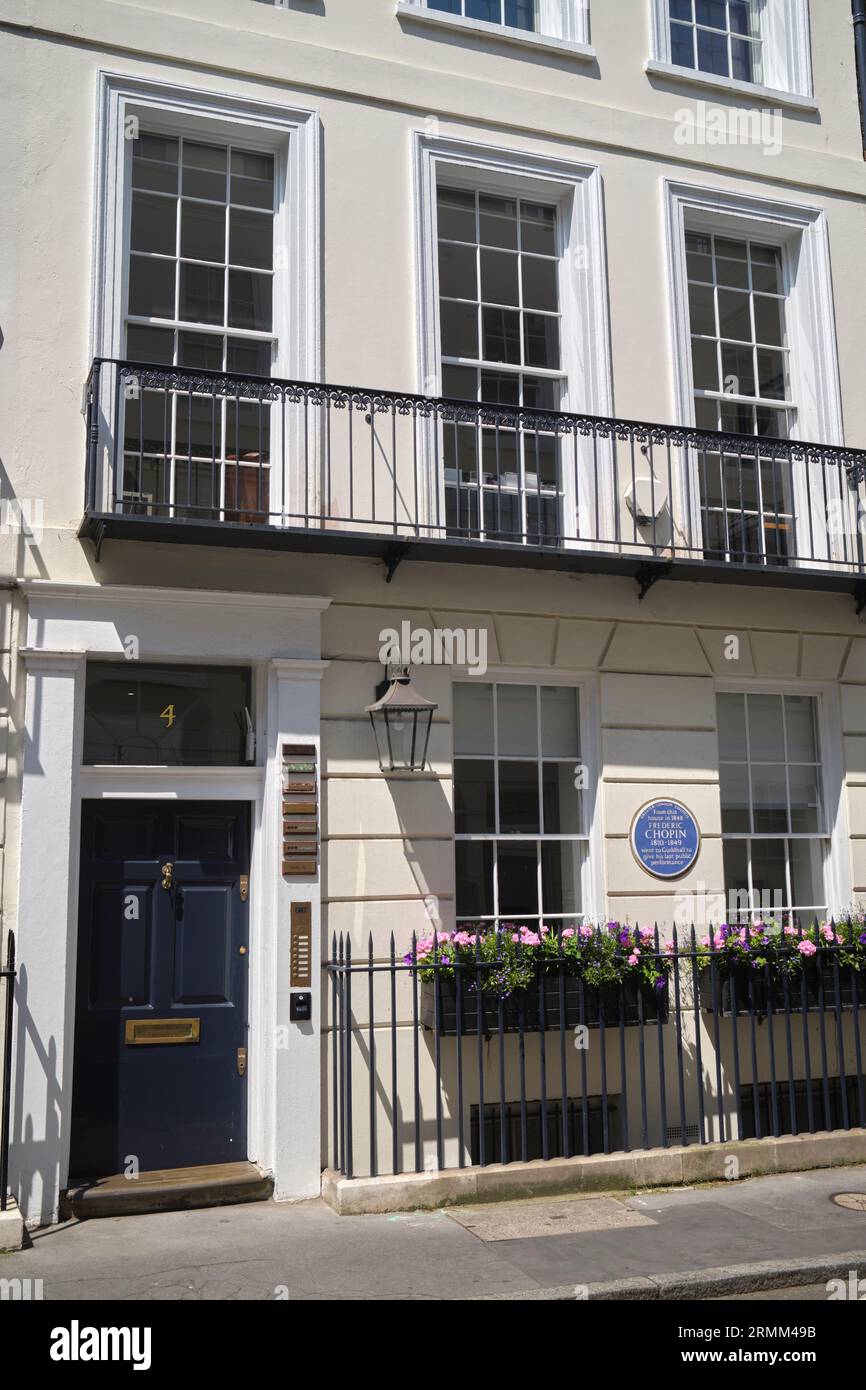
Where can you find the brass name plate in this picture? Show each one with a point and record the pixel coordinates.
(299, 867)
(305, 846)
(307, 825)
(302, 945)
(141, 1032)
(298, 808)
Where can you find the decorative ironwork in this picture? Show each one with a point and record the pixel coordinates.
(412, 468)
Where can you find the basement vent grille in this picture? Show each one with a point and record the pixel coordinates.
(677, 1135)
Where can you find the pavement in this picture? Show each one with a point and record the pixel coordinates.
(781, 1233)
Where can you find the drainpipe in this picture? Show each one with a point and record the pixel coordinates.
(858, 9)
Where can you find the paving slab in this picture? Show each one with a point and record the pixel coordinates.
(708, 1240)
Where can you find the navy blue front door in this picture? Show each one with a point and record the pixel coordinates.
(161, 1018)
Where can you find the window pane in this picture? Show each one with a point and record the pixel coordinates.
(559, 722)
(735, 320)
(488, 10)
(730, 710)
(734, 791)
(474, 887)
(771, 374)
(735, 854)
(801, 730)
(458, 271)
(460, 383)
(202, 231)
(520, 14)
(153, 224)
(201, 350)
(518, 878)
(459, 329)
(738, 369)
(806, 813)
(499, 278)
(124, 720)
(541, 340)
(251, 239)
(518, 798)
(474, 800)
(456, 214)
(769, 322)
(202, 294)
(204, 171)
(473, 718)
(154, 163)
(498, 222)
(766, 269)
(250, 300)
(712, 13)
(518, 720)
(807, 873)
(247, 358)
(705, 365)
(149, 344)
(151, 287)
(253, 179)
(539, 284)
(683, 45)
(563, 813)
(768, 874)
(712, 52)
(501, 335)
(702, 309)
(538, 229)
(560, 878)
(769, 798)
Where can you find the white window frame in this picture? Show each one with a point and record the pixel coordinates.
(802, 233)
(837, 866)
(126, 104)
(562, 26)
(786, 53)
(593, 890)
(576, 192)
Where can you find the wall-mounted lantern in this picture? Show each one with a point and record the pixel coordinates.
(401, 720)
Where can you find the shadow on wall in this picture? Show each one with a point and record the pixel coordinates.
(34, 1162)
(302, 6)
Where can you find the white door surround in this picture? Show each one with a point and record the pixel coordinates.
(279, 637)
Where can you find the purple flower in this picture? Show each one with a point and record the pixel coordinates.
(863, 938)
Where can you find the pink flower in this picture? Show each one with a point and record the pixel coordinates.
(634, 958)
(705, 941)
(585, 930)
(568, 931)
(807, 948)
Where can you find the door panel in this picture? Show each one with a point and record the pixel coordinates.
(167, 948)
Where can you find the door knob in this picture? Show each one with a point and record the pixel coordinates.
(167, 875)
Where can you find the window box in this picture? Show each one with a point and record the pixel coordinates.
(525, 1006)
(741, 975)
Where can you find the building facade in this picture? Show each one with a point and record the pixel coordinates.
(370, 309)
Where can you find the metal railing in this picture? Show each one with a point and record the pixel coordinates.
(440, 1072)
(168, 444)
(7, 975)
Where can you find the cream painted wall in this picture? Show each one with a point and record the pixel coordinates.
(374, 82)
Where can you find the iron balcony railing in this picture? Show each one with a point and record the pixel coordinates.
(208, 456)
(431, 1069)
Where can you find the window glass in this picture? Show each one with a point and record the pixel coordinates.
(722, 37)
(521, 840)
(774, 828)
(146, 715)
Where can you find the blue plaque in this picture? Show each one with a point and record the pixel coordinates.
(665, 839)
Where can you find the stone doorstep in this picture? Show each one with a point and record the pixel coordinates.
(11, 1228)
(169, 1189)
(674, 1167)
